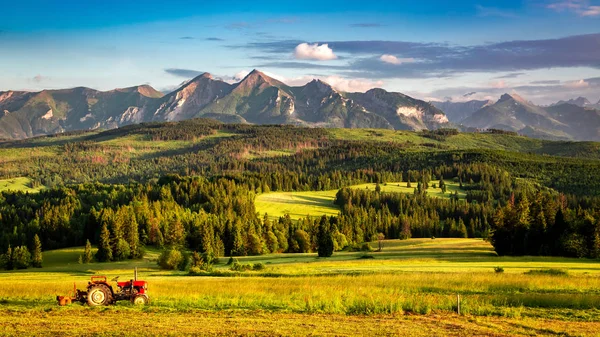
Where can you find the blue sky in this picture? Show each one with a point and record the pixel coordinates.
(543, 50)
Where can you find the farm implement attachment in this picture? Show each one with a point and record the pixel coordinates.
(100, 292)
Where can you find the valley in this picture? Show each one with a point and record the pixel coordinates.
(241, 212)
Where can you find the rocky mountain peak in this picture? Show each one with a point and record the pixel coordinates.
(321, 86)
(514, 97)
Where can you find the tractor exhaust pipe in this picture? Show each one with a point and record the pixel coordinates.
(135, 274)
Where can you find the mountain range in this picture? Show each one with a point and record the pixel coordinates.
(576, 119)
(260, 99)
(257, 99)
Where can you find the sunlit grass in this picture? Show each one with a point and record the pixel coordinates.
(411, 284)
(18, 184)
(318, 203)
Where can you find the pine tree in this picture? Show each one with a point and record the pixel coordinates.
(325, 244)
(87, 253)
(461, 230)
(36, 258)
(405, 232)
(133, 237)
(104, 252)
(237, 248)
(176, 233)
(9, 265)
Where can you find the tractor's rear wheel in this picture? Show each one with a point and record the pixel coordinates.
(140, 299)
(99, 295)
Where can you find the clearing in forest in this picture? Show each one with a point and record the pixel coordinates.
(317, 203)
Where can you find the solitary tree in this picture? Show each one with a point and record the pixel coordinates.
(36, 258)
(380, 238)
(104, 252)
(8, 265)
(324, 238)
(87, 253)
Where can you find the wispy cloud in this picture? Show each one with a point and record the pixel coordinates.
(545, 82)
(443, 60)
(284, 20)
(580, 7)
(215, 39)
(300, 65)
(591, 11)
(391, 59)
(541, 92)
(184, 73)
(186, 38)
(39, 78)
(510, 75)
(495, 12)
(366, 25)
(239, 25)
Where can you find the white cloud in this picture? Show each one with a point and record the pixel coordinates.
(305, 51)
(577, 84)
(351, 84)
(240, 75)
(391, 59)
(498, 85)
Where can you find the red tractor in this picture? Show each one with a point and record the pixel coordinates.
(100, 292)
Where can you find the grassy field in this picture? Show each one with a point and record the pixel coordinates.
(317, 203)
(17, 184)
(297, 204)
(410, 287)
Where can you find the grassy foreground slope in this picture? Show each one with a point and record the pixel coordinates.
(317, 203)
(409, 289)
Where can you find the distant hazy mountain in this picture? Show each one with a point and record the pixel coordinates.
(459, 111)
(583, 122)
(579, 101)
(513, 113)
(257, 99)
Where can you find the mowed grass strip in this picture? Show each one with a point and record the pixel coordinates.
(317, 203)
(92, 322)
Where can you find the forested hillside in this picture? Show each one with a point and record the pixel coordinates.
(192, 184)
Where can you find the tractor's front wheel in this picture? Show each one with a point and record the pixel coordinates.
(140, 299)
(99, 295)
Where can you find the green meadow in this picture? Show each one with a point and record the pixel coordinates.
(409, 282)
(18, 184)
(316, 203)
